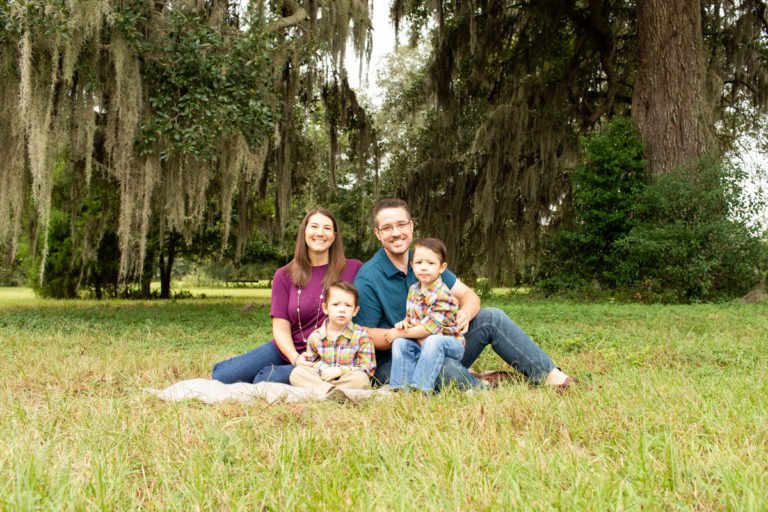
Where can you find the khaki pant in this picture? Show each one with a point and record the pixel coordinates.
(306, 377)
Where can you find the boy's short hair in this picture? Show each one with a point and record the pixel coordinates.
(345, 286)
(389, 203)
(433, 244)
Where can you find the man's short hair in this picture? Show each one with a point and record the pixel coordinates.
(344, 286)
(389, 203)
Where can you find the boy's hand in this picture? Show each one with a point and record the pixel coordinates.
(402, 325)
(394, 333)
(302, 361)
(330, 372)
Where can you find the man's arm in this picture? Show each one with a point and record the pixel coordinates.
(469, 304)
(370, 314)
(378, 336)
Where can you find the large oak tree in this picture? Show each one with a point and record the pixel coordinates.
(510, 86)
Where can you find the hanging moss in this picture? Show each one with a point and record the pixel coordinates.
(97, 88)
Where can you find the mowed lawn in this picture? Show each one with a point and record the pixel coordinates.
(672, 415)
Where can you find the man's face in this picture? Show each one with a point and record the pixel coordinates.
(394, 231)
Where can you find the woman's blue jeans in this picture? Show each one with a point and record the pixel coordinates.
(417, 366)
(262, 364)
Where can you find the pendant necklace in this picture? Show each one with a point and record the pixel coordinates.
(298, 312)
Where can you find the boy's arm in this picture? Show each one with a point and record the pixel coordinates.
(365, 359)
(416, 332)
(312, 354)
(438, 313)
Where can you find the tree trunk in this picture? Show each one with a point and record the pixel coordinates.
(165, 269)
(147, 272)
(672, 101)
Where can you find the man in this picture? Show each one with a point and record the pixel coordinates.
(383, 284)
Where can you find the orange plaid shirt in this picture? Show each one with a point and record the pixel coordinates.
(352, 350)
(434, 309)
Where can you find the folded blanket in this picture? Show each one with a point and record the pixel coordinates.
(213, 391)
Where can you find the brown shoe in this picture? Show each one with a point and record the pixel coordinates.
(493, 378)
(568, 383)
(337, 395)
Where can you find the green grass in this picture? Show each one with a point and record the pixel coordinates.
(675, 417)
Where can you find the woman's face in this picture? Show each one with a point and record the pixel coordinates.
(319, 234)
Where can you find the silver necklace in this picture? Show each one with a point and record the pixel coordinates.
(298, 312)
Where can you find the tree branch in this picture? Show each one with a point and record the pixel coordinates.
(299, 15)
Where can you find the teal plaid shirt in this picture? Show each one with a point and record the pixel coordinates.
(434, 309)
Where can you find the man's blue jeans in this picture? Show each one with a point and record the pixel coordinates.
(417, 366)
(491, 327)
(262, 364)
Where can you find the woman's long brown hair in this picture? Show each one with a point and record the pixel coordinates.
(300, 268)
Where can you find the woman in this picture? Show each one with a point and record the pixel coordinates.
(297, 295)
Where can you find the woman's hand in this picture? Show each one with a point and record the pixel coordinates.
(330, 372)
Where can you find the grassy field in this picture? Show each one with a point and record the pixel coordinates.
(674, 416)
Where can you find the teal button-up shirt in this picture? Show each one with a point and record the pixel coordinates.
(384, 290)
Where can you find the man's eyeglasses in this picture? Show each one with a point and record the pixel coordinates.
(390, 227)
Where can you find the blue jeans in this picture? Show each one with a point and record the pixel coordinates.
(492, 327)
(262, 364)
(416, 366)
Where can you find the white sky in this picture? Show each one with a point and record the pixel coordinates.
(383, 43)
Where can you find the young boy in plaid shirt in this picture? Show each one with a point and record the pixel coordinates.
(341, 350)
(428, 334)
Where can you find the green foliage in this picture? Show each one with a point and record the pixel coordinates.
(203, 82)
(687, 243)
(483, 289)
(604, 193)
(685, 237)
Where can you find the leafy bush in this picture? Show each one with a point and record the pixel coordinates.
(483, 289)
(61, 277)
(604, 190)
(687, 238)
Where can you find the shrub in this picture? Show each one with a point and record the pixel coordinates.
(684, 237)
(687, 239)
(604, 188)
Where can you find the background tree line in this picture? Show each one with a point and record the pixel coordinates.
(140, 131)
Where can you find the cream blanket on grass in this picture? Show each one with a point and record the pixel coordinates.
(213, 392)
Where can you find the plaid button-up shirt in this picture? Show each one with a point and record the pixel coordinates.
(352, 350)
(434, 309)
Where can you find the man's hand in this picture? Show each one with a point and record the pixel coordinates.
(330, 372)
(393, 334)
(302, 361)
(462, 321)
